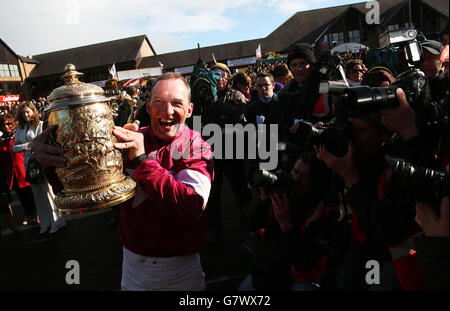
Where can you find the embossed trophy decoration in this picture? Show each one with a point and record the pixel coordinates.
(93, 176)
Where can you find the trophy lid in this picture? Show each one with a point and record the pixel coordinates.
(74, 92)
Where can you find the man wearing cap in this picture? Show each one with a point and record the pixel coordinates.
(300, 98)
(434, 70)
(230, 109)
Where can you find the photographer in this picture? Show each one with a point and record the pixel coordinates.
(290, 229)
(380, 224)
(300, 98)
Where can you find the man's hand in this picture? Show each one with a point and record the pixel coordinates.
(131, 139)
(431, 224)
(403, 119)
(280, 204)
(344, 166)
(47, 155)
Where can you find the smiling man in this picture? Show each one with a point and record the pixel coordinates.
(164, 226)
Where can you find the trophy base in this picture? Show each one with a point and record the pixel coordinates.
(76, 203)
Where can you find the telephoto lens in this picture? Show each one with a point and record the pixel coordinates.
(272, 182)
(404, 180)
(335, 135)
(365, 99)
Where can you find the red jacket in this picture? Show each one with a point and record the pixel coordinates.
(167, 217)
(12, 164)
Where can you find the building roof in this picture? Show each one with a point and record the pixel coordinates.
(313, 25)
(307, 26)
(222, 52)
(28, 60)
(9, 49)
(100, 54)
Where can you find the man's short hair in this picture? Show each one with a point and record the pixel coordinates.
(265, 74)
(131, 90)
(172, 75)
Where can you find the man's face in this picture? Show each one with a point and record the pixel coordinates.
(264, 87)
(300, 175)
(223, 82)
(431, 64)
(301, 70)
(169, 108)
(366, 139)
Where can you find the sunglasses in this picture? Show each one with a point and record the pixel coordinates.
(8, 123)
(357, 70)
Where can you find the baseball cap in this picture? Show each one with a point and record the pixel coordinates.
(432, 46)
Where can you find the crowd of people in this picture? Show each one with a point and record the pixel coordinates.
(341, 208)
(332, 205)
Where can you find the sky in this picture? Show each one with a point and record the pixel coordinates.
(31, 27)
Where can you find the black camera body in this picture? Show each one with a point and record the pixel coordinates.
(335, 135)
(404, 180)
(277, 182)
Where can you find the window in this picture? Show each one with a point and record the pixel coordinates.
(337, 38)
(14, 70)
(353, 36)
(9, 70)
(393, 27)
(4, 71)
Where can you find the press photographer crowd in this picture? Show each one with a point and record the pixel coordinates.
(359, 198)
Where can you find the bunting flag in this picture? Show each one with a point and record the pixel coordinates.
(133, 82)
(258, 52)
(113, 72)
(161, 64)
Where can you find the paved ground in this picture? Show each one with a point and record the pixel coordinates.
(38, 262)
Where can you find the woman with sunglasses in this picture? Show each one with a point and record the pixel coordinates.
(354, 71)
(29, 127)
(13, 168)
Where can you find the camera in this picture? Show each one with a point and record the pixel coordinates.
(421, 184)
(278, 182)
(335, 135)
(360, 100)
